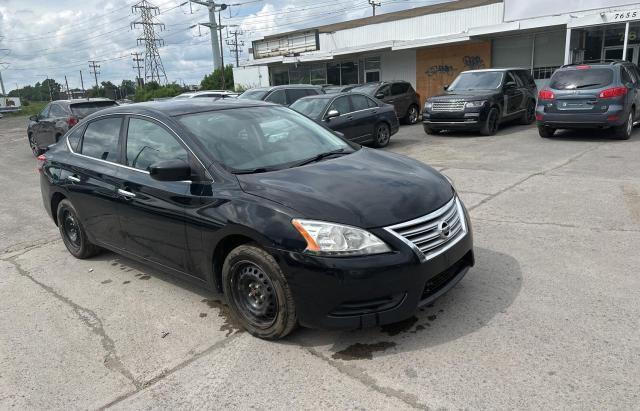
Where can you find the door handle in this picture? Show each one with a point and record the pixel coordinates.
(349, 117)
(126, 194)
(73, 179)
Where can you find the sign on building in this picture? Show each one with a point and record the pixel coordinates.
(524, 9)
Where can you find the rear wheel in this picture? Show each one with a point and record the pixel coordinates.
(412, 115)
(382, 135)
(546, 132)
(73, 233)
(529, 116)
(624, 131)
(258, 293)
(491, 124)
(34, 146)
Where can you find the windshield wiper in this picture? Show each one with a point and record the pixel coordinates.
(319, 157)
(252, 171)
(588, 85)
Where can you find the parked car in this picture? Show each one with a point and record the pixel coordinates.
(57, 117)
(207, 93)
(358, 117)
(330, 89)
(284, 95)
(481, 100)
(290, 222)
(398, 93)
(604, 96)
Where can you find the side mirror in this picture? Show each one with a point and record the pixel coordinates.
(170, 170)
(331, 114)
(445, 87)
(380, 96)
(33, 118)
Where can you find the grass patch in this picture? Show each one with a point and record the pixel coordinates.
(32, 109)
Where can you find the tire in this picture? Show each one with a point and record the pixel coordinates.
(491, 124)
(258, 294)
(382, 135)
(546, 132)
(624, 131)
(429, 130)
(73, 233)
(529, 115)
(34, 146)
(412, 115)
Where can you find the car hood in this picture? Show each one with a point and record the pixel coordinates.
(368, 189)
(465, 95)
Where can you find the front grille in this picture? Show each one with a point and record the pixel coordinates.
(443, 279)
(354, 308)
(433, 234)
(453, 105)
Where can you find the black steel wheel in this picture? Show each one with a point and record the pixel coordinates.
(72, 232)
(382, 135)
(491, 124)
(258, 293)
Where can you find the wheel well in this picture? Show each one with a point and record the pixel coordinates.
(223, 248)
(55, 200)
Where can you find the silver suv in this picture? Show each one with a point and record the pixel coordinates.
(601, 95)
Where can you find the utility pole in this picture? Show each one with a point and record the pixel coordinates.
(67, 83)
(93, 69)
(215, 45)
(153, 68)
(222, 74)
(82, 83)
(137, 60)
(236, 44)
(374, 5)
(2, 85)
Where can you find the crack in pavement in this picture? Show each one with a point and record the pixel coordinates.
(362, 377)
(25, 246)
(537, 173)
(88, 317)
(558, 225)
(146, 384)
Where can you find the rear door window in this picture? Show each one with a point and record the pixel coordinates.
(101, 139)
(74, 138)
(81, 110)
(57, 111)
(581, 79)
(295, 94)
(630, 74)
(399, 88)
(359, 102)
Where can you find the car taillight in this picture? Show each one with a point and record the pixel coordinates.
(41, 159)
(614, 92)
(546, 95)
(583, 67)
(72, 121)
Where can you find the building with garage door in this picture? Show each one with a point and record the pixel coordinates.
(428, 46)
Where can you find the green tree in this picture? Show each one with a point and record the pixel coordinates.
(128, 87)
(213, 81)
(153, 90)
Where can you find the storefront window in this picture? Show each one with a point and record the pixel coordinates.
(319, 74)
(279, 75)
(333, 74)
(349, 72)
(372, 69)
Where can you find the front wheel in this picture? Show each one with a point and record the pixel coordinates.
(624, 131)
(412, 115)
(546, 132)
(73, 233)
(490, 126)
(430, 130)
(382, 135)
(258, 293)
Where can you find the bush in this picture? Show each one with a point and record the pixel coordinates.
(213, 81)
(153, 90)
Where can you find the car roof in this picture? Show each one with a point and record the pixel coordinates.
(332, 96)
(284, 86)
(497, 69)
(172, 108)
(83, 100)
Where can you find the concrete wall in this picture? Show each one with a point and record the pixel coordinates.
(437, 66)
(398, 65)
(251, 77)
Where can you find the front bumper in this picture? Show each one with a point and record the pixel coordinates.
(469, 119)
(350, 293)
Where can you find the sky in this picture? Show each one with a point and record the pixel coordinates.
(54, 38)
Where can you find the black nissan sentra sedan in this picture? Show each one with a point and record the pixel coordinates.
(292, 223)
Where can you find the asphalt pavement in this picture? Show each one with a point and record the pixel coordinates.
(549, 318)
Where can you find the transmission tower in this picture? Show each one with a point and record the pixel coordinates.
(153, 68)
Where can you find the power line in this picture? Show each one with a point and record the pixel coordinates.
(153, 68)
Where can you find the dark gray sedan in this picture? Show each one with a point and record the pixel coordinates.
(58, 117)
(359, 117)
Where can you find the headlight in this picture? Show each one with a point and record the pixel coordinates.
(338, 240)
(474, 104)
(428, 105)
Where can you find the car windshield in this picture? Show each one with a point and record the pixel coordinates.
(485, 80)
(253, 94)
(311, 107)
(581, 79)
(366, 89)
(84, 109)
(255, 139)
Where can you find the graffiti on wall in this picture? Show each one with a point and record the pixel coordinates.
(440, 69)
(473, 62)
